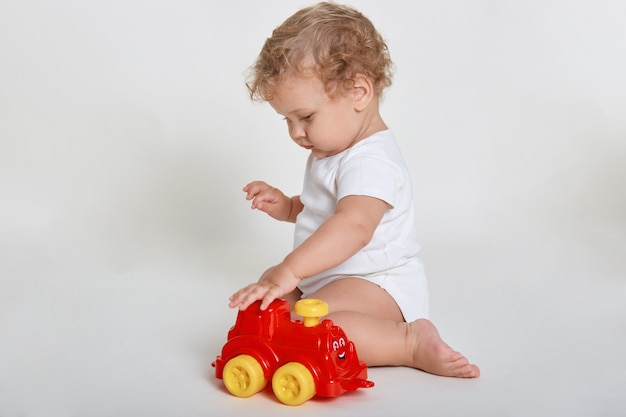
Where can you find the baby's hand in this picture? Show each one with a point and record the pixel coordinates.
(268, 199)
(274, 283)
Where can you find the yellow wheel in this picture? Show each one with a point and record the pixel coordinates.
(311, 310)
(293, 384)
(243, 376)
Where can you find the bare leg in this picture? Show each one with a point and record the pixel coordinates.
(373, 321)
(292, 297)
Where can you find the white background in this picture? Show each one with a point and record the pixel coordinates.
(126, 135)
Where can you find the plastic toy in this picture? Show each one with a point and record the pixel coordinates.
(301, 358)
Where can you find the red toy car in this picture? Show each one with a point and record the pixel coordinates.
(301, 358)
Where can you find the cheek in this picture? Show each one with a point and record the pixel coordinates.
(346, 123)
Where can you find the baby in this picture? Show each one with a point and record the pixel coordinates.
(324, 70)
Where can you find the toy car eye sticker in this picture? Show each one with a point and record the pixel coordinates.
(337, 344)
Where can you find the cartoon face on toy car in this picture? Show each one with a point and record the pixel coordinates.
(339, 346)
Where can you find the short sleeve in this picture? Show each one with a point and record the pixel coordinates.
(369, 175)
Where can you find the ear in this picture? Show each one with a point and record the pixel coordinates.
(362, 92)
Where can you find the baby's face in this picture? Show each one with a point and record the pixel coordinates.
(326, 126)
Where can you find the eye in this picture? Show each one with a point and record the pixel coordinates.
(307, 118)
(342, 342)
(335, 345)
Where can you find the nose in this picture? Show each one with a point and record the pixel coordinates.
(297, 132)
(301, 141)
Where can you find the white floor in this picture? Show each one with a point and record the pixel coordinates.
(544, 317)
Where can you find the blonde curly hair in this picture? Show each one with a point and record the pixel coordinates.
(335, 42)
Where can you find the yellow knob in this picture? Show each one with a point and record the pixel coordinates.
(311, 310)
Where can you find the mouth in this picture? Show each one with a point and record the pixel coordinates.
(342, 355)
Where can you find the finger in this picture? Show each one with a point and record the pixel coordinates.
(254, 188)
(262, 198)
(252, 184)
(249, 189)
(254, 293)
(267, 300)
(234, 300)
(237, 298)
(251, 193)
(271, 294)
(247, 302)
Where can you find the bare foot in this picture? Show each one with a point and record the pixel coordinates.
(433, 355)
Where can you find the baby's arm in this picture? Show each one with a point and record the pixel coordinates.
(273, 202)
(342, 235)
(337, 239)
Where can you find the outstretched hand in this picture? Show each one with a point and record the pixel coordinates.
(276, 282)
(268, 199)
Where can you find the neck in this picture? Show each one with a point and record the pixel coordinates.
(372, 120)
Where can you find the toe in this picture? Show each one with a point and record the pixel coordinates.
(469, 371)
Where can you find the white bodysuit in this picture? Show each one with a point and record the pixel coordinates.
(372, 167)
